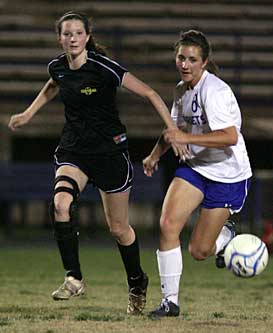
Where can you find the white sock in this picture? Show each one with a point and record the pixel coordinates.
(170, 265)
(223, 238)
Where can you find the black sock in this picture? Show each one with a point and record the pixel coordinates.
(131, 260)
(68, 244)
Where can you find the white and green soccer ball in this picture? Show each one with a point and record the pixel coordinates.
(246, 255)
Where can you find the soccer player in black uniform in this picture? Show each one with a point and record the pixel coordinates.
(92, 148)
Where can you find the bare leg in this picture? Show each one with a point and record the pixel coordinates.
(116, 212)
(180, 201)
(206, 231)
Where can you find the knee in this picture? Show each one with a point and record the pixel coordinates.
(62, 206)
(199, 252)
(167, 225)
(65, 196)
(118, 229)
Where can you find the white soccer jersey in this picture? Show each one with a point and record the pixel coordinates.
(211, 105)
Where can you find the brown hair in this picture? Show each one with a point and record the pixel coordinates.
(71, 15)
(197, 38)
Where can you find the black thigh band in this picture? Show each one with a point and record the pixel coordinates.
(73, 191)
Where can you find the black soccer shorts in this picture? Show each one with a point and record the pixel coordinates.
(111, 173)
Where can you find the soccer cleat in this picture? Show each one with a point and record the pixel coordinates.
(137, 297)
(165, 309)
(220, 260)
(70, 288)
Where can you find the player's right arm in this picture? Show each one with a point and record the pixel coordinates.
(47, 93)
(150, 163)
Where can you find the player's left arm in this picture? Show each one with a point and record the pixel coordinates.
(138, 87)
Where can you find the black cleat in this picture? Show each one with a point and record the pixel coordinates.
(220, 260)
(137, 297)
(165, 309)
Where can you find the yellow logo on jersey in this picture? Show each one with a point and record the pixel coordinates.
(88, 91)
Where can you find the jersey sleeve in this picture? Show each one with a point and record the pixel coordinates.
(51, 71)
(219, 107)
(176, 114)
(177, 107)
(115, 72)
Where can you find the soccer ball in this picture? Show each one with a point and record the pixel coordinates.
(246, 255)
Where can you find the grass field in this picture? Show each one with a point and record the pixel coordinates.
(211, 300)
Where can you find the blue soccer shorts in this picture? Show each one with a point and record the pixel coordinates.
(216, 194)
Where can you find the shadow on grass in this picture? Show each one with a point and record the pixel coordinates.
(84, 316)
(4, 322)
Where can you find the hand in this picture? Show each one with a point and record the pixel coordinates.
(18, 120)
(175, 136)
(178, 140)
(150, 165)
(182, 151)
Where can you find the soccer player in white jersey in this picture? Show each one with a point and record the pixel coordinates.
(213, 174)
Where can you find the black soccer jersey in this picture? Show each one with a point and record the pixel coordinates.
(92, 124)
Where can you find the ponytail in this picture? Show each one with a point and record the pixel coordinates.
(212, 67)
(92, 45)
